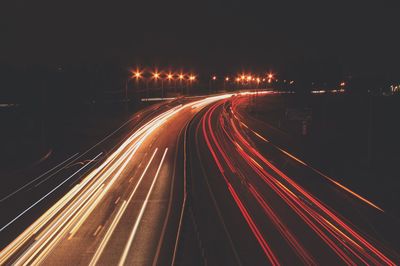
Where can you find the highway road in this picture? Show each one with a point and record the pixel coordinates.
(125, 211)
(195, 185)
(254, 203)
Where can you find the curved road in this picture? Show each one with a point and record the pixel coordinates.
(196, 185)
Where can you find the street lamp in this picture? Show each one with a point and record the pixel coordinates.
(213, 78)
(137, 74)
(169, 78)
(181, 78)
(192, 78)
(226, 79)
(156, 75)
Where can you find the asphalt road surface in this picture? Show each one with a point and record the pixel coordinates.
(193, 174)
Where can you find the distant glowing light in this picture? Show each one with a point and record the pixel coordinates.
(214, 78)
(156, 75)
(227, 79)
(137, 74)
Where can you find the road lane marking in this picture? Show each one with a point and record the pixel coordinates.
(117, 200)
(84, 190)
(110, 230)
(135, 227)
(105, 240)
(97, 230)
(184, 197)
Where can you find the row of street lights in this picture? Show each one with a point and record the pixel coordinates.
(159, 75)
(248, 78)
(156, 76)
(187, 79)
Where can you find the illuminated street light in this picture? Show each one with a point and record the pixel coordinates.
(181, 77)
(214, 78)
(156, 75)
(170, 76)
(249, 78)
(227, 79)
(137, 74)
(192, 78)
(270, 76)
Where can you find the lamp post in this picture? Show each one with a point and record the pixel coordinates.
(226, 80)
(156, 76)
(169, 78)
(137, 76)
(192, 78)
(181, 77)
(213, 79)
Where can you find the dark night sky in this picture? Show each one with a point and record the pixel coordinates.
(362, 36)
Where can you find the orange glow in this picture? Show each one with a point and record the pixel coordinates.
(192, 78)
(137, 74)
(156, 75)
(181, 76)
(227, 79)
(270, 76)
(248, 78)
(169, 76)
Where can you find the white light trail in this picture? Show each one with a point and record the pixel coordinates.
(139, 218)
